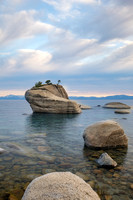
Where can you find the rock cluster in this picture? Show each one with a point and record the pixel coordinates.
(105, 134)
(51, 99)
(59, 186)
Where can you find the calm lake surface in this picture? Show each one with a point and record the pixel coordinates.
(37, 144)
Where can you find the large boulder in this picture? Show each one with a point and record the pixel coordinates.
(51, 99)
(105, 134)
(117, 105)
(59, 186)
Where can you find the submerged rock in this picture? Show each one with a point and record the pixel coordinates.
(106, 161)
(59, 186)
(51, 99)
(84, 107)
(117, 105)
(105, 134)
(122, 111)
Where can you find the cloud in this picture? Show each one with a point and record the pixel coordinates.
(26, 61)
(21, 25)
(127, 78)
(105, 22)
(65, 6)
(120, 61)
(123, 2)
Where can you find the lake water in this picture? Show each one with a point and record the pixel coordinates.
(37, 144)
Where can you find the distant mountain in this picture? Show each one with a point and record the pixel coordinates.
(114, 97)
(12, 97)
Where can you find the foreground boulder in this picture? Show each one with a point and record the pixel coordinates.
(51, 99)
(117, 105)
(105, 134)
(106, 161)
(59, 186)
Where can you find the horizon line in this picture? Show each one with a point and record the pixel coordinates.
(76, 95)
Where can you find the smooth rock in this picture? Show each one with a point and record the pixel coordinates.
(105, 134)
(122, 111)
(84, 107)
(117, 105)
(2, 150)
(59, 186)
(106, 161)
(51, 99)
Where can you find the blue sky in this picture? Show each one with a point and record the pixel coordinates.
(87, 44)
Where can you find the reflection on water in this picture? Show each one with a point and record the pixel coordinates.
(47, 122)
(37, 144)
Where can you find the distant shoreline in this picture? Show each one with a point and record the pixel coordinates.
(114, 97)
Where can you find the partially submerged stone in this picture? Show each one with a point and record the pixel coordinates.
(84, 107)
(122, 111)
(106, 161)
(105, 134)
(117, 105)
(51, 99)
(59, 186)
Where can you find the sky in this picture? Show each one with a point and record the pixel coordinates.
(87, 44)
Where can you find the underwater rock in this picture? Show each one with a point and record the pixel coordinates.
(83, 176)
(105, 134)
(59, 185)
(106, 161)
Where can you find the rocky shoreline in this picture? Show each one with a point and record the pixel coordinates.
(116, 138)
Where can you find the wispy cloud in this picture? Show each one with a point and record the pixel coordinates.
(21, 25)
(65, 6)
(74, 40)
(26, 61)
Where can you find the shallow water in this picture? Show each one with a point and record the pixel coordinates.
(37, 144)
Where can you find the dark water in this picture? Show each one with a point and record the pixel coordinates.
(37, 144)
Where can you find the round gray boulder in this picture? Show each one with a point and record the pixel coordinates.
(59, 186)
(105, 134)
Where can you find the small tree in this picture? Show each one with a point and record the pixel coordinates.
(59, 81)
(48, 82)
(38, 84)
